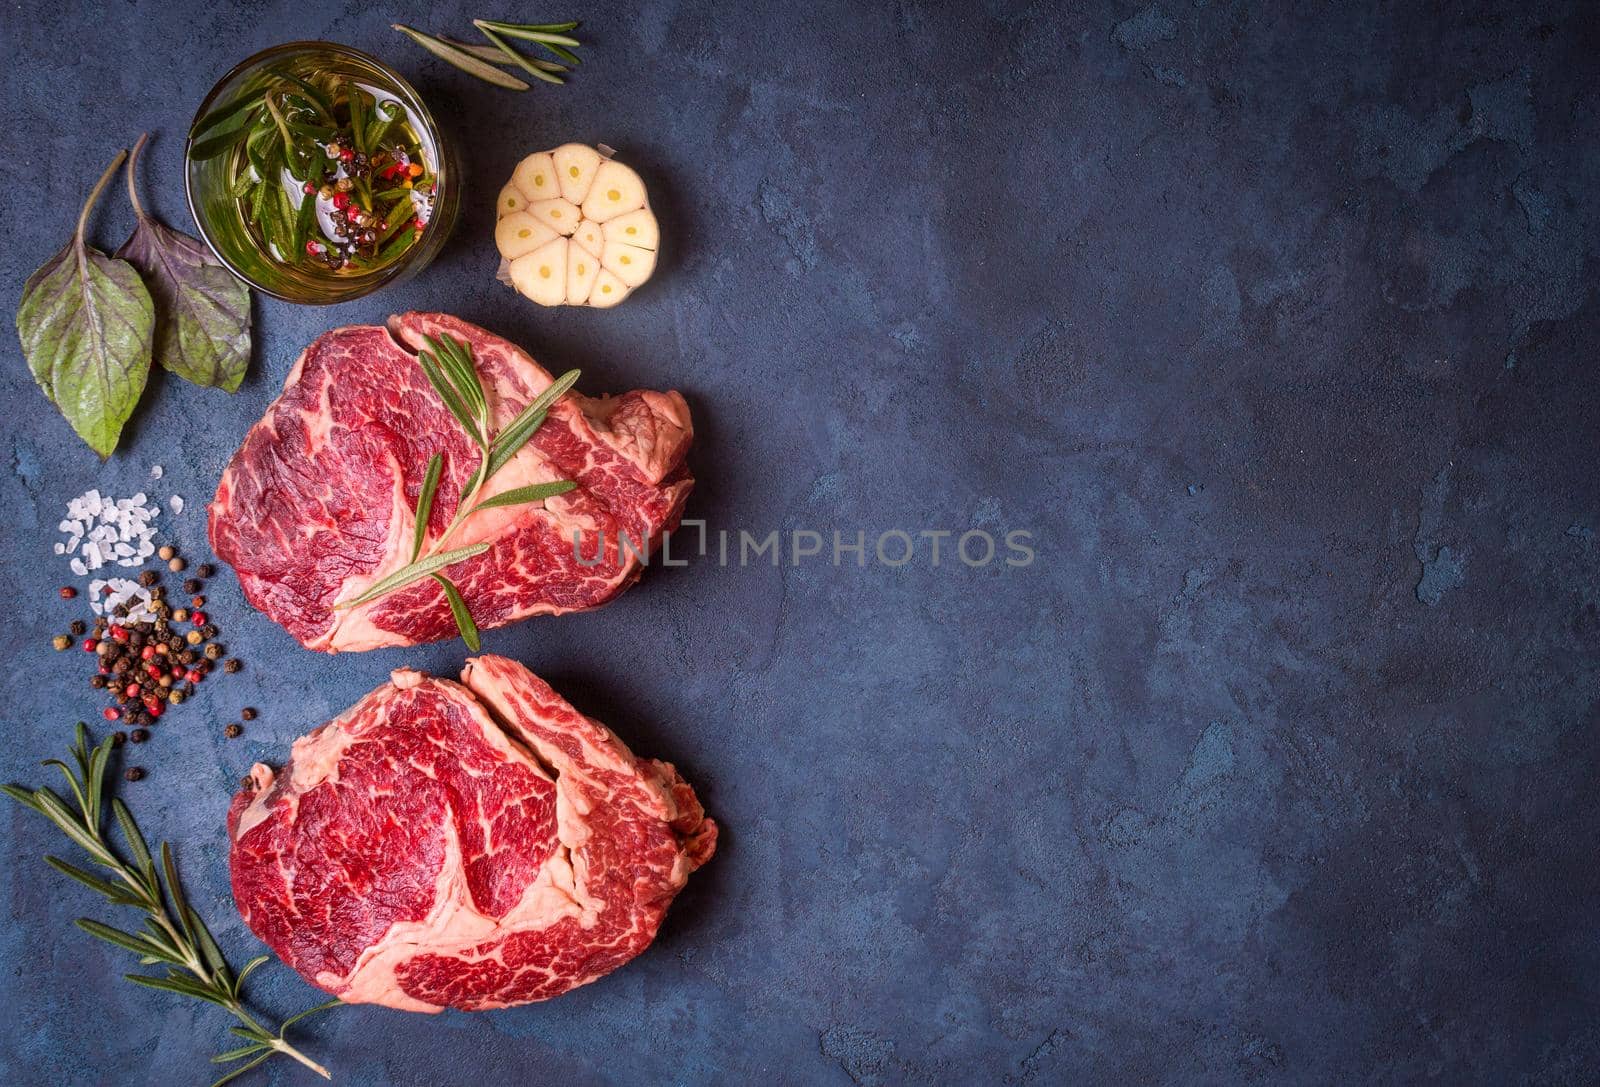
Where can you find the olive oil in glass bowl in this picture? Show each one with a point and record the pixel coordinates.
(317, 175)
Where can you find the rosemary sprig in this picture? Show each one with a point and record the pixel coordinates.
(173, 933)
(447, 364)
(481, 61)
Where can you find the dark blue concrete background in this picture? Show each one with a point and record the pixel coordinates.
(1277, 330)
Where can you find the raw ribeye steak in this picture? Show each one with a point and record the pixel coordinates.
(320, 501)
(471, 845)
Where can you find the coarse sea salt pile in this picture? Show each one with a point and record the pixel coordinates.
(105, 595)
(109, 530)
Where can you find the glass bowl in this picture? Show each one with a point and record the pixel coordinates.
(220, 217)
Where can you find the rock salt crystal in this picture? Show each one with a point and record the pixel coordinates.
(119, 530)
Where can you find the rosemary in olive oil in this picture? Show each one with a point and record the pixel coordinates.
(327, 171)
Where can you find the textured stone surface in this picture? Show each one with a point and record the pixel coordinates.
(1277, 329)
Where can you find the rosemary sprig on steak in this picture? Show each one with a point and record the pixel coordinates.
(450, 370)
(173, 933)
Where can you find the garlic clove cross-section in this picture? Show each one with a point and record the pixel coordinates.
(616, 190)
(575, 167)
(535, 178)
(542, 274)
(634, 228)
(575, 228)
(520, 233)
(608, 290)
(582, 268)
(628, 263)
(592, 237)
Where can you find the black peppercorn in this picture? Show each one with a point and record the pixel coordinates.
(248, 713)
(118, 739)
(134, 773)
(232, 664)
(192, 585)
(213, 651)
(120, 611)
(206, 569)
(77, 628)
(97, 680)
(209, 631)
(139, 735)
(233, 731)
(149, 578)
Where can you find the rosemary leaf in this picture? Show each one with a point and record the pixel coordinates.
(175, 890)
(395, 219)
(122, 896)
(324, 1006)
(283, 125)
(175, 936)
(180, 985)
(312, 94)
(227, 118)
(430, 484)
(125, 940)
(494, 54)
(72, 782)
(237, 1054)
(461, 59)
(387, 113)
(246, 970)
(456, 358)
(532, 32)
(136, 843)
(527, 65)
(447, 393)
(519, 496)
(241, 1070)
(415, 571)
(509, 442)
(458, 609)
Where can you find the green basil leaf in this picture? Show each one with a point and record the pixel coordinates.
(202, 330)
(86, 322)
(519, 496)
(458, 610)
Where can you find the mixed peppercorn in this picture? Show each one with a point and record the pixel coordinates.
(373, 213)
(153, 661)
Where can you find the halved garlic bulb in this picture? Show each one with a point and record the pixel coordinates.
(575, 228)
